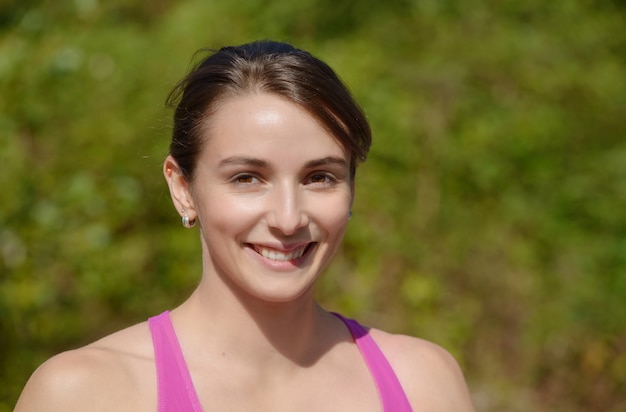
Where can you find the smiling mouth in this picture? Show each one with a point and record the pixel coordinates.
(282, 256)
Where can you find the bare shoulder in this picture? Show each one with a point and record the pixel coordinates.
(113, 373)
(429, 374)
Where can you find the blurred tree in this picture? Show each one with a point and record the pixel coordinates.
(488, 217)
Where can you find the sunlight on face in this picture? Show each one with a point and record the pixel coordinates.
(273, 193)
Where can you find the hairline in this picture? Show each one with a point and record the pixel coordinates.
(233, 93)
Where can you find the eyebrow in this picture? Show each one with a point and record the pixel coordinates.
(252, 161)
(330, 160)
(241, 160)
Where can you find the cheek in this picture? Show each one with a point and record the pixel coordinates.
(239, 215)
(228, 214)
(334, 213)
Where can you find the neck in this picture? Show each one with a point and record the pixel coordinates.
(259, 333)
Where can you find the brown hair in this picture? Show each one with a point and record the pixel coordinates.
(264, 67)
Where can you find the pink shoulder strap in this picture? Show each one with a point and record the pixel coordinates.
(176, 391)
(391, 394)
(174, 386)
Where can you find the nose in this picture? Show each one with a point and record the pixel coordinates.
(286, 210)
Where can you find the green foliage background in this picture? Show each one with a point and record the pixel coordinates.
(489, 217)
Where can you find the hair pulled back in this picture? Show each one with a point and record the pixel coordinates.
(264, 67)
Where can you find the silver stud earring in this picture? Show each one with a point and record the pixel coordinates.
(186, 221)
(350, 214)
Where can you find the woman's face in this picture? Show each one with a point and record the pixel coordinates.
(272, 193)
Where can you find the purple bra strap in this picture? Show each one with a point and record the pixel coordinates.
(390, 390)
(174, 386)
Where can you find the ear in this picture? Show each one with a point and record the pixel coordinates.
(180, 188)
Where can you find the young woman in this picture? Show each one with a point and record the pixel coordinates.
(263, 157)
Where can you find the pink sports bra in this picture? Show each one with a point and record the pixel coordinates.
(176, 391)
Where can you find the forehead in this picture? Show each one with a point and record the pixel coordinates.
(266, 125)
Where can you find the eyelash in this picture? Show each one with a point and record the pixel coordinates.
(328, 178)
(248, 179)
(245, 176)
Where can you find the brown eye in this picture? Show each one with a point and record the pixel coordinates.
(321, 179)
(245, 179)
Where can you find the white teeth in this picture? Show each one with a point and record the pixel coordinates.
(275, 255)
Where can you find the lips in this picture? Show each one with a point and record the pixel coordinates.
(281, 255)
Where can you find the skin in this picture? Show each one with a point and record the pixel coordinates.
(272, 194)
